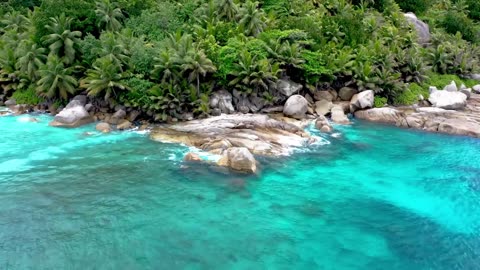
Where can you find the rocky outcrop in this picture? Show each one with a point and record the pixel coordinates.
(447, 99)
(260, 134)
(73, 115)
(362, 100)
(422, 29)
(329, 95)
(238, 159)
(323, 107)
(323, 125)
(296, 107)
(338, 115)
(466, 122)
(222, 100)
(288, 88)
(346, 93)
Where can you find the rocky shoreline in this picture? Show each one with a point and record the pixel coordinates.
(236, 137)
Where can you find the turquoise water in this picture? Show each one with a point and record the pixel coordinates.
(375, 197)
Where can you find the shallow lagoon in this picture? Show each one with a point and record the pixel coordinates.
(375, 197)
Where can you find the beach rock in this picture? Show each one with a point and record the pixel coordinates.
(222, 100)
(346, 93)
(103, 127)
(328, 95)
(452, 87)
(344, 104)
(296, 107)
(133, 115)
(362, 100)
(467, 92)
(19, 109)
(10, 102)
(216, 112)
(323, 125)
(422, 29)
(380, 115)
(338, 115)
(257, 103)
(89, 107)
(323, 107)
(124, 125)
(274, 109)
(239, 159)
(260, 134)
(117, 117)
(288, 88)
(73, 115)
(192, 157)
(81, 98)
(475, 89)
(244, 106)
(448, 99)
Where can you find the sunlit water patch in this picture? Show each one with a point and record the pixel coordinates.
(366, 197)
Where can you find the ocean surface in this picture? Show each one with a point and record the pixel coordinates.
(374, 197)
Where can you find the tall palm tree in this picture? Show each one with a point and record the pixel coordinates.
(104, 79)
(31, 58)
(109, 15)
(15, 21)
(8, 72)
(113, 48)
(62, 40)
(197, 65)
(252, 19)
(56, 80)
(227, 9)
(165, 68)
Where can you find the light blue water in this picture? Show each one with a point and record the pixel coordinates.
(376, 197)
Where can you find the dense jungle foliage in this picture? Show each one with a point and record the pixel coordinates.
(166, 57)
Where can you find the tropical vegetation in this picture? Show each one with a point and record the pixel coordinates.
(166, 57)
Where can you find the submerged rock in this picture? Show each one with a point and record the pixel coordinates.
(323, 125)
(296, 107)
(103, 127)
(239, 159)
(74, 115)
(189, 157)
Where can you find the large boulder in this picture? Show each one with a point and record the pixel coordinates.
(452, 87)
(73, 115)
(239, 159)
(81, 98)
(288, 88)
(422, 29)
(380, 115)
(338, 115)
(475, 89)
(222, 100)
(192, 157)
(329, 95)
(124, 125)
(103, 127)
(296, 107)
(362, 100)
(10, 102)
(346, 93)
(448, 100)
(323, 107)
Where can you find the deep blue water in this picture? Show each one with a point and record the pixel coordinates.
(375, 197)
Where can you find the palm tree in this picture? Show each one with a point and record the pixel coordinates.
(252, 19)
(252, 75)
(15, 21)
(109, 15)
(197, 65)
(55, 79)
(104, 78)
(113, 48)
(227, 9)
(8, 72)
(165, 68)
(31, 58)
(62, 40)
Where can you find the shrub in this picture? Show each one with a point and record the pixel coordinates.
(415, 6)
(455, 21)
(441, 80)
(411, 95)
(379, 102)
(28, 96)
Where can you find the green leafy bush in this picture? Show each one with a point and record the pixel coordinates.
(379, 102)
(416, 6)
(441, 80)
(456, 21)
(411, 95)
(28, 96)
